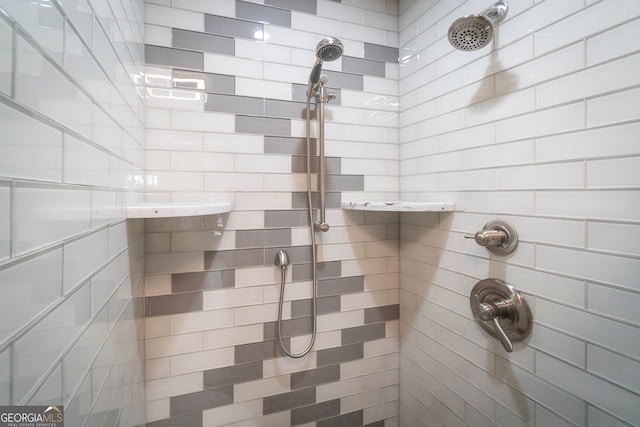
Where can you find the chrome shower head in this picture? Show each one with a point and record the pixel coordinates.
(473, 32)
(328, 49)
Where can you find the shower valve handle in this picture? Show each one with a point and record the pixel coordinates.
(492, 312)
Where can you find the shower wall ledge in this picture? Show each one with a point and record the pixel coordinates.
(169, 210)
(400, 206)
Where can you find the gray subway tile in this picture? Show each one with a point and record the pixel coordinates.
(341, 285)
(194, 40)
(261, 13)
(290, 328)
(381, 314)
(201, 280)
(313, 377)
(332, 165)
(363, 333)
(299, 200)
(232, 27)
(363, 66)
(289, 400)
(335, 355)
(234, 104)
(283, 145)
(304, 307)
(234, 258)
(290, 109)
(308, 6)
(160, 55)
(351, 419)
(344, 182)
(324, 270)
(299, 92)
(290, 218)
(263, 125)
(379, 423)
(345, 80)
(263, 238)
(190, 420)
(381, 53)
(209, 82)
(296, 254)
(200, 400)
(172, 304)
(257, 351)
(230, 375)
(315, 412)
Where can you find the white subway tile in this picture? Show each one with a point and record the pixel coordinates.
(82, 257)
(616, 303)
(173, 17)
(613, 237)
(172, 345)
(44, 216)
(239, 67)
(236, 412)
(164, 388)
(201, 361)
(85, 164)
(208, 122)
(618, 107)
(6, 58)
(262, 163)
(589, 265)
(589, 82)
(166, 139)
(621, 140)
(616, 42)
(236, 335)
(157, 35)
(613, 173)
(252, 201)
(592, 389)
(593, 204)
(233, 143)
(194, 161)
(589, 21)
(586, 326)
(234, 182)
(255, 314)
(174, 181)
(556, 175)
(229, 298)
(537, 124)
(29, 149)
(201, 321)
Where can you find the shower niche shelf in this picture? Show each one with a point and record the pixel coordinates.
(400, 206)
(170, 210)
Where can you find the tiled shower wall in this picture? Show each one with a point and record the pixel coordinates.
(71, 146)
(542, 132)
(226, 83)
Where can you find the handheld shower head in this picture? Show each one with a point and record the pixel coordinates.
(473, 32)
(328, 49)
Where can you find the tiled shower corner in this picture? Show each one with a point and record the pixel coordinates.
(226, 121)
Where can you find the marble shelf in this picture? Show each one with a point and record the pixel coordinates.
(169, 210)
(400, 206)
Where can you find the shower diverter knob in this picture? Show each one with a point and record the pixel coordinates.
(501, 311)
(498, 237)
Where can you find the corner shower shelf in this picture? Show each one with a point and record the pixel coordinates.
(168, 210)
(400, 206)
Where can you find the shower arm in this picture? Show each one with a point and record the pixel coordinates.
(321, 96)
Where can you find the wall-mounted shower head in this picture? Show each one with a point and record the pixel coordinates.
(473, 32)
(328, 49)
